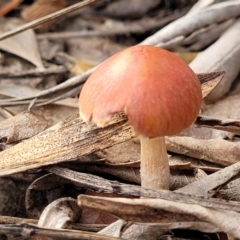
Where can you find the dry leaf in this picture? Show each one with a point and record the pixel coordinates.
(59, 213)
(74, 65)
(187, 24)
(90, 216)
(220, 56)
(230, 125)
(41, 8)
(14, 90)
(134, 9)
(205, 185)
(142, 210)
(63, 142)
(216, 151)
(23, 44)
(9, 7)
(22, 126)
(209, 81)
(42, 191)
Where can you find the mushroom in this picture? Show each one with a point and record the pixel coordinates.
(160, 95)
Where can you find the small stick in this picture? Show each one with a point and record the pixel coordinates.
(47, 18)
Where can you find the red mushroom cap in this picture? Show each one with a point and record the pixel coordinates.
(159, 92)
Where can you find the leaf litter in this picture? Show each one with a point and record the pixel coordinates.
(82, 157)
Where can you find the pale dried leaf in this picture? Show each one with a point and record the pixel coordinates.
(182, 162)
(201, 4)
(189, 23)
(205, 185)
(230, 191)
(22, 126)
(221, 56)
(230, 125)
(133, 231)
(23, 44)
(114, 229)
(203, 37)
(216, 151)
(14, 90)
(227, 108)
(60, 213)
(138, 213)
(132, 209)
(153, 231)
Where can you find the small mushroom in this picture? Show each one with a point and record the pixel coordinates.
(159, 93)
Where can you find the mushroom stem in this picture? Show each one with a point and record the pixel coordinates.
(154, 163)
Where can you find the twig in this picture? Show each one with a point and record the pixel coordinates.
(47, 18)
(28, 230)
(34, 72)
(128, 27)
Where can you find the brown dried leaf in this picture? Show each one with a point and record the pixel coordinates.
(94, 216)
(41, 8)
(209, 81)
(22, 126)
(7, 7)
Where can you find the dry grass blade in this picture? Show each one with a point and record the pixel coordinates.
(230, 125)
(131, 209)
(63, 142)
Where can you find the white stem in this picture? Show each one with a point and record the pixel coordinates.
(154, 163)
